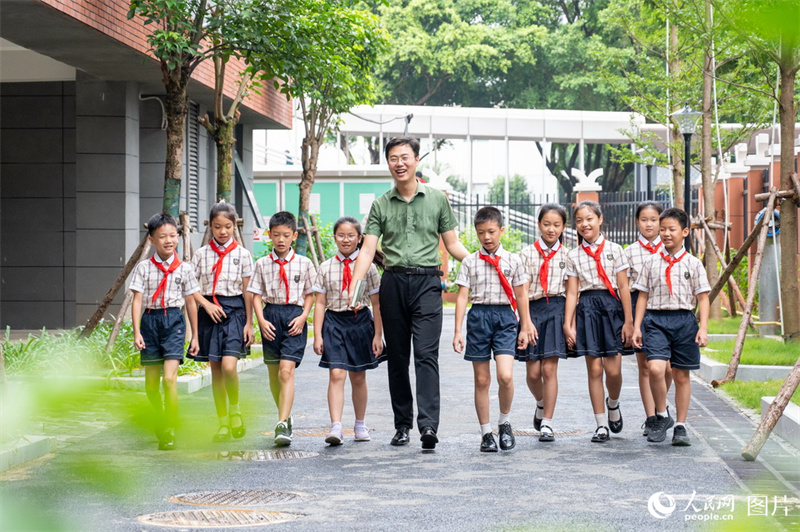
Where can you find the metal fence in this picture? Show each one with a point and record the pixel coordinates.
(619, 210)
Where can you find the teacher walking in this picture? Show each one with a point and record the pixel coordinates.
(410, 217)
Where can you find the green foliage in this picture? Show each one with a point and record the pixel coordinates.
(749, 393)
(757, 351)
(512, 240)
(741, 278)
(517, 193)
(458, 184)
(64, 353)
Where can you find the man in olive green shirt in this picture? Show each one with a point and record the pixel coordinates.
(411, 217)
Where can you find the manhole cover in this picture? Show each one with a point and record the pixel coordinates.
(237, 498)
(216, 518)
(532, 432)
(313, 432)
(264, 456)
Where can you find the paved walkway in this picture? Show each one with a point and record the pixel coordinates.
(107, 481)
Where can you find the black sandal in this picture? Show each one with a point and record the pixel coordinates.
(240, 430)
(223, 434)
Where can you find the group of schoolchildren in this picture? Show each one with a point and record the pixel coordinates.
(597, 301)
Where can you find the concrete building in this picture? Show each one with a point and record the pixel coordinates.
(82, 153)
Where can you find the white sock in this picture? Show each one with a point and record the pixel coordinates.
(234, 409)
(614, 415)
(680, 424)
(540, 404)
(504, 418)
(665, 413)
(601, 419)
(547, 423)
(359, 423)
(486, 429)
(223, 420)
(336, 425)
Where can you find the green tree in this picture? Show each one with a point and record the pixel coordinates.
(328, 72)
(517, 193)
(770, 30)
(178, 30)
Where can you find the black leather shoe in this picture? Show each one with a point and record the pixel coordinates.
(506, 437)
(400, 437)
(615, 426)
(488, 445)
(428, 438)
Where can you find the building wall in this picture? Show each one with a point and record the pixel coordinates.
(37, 204)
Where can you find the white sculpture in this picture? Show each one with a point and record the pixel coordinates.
(586, 183)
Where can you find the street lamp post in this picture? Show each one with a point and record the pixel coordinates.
(687, 122)
(649, 165)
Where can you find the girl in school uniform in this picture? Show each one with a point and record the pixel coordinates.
(600, 323)
(349, 342)
(546, 263)
(647, 245)
(225, 325)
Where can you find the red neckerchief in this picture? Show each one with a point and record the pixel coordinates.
(545, 269)
(284, 277)
(347, 273)
(597, 255)
(217, 269)
(672, 261)
(649, 246)
(503, 281)
(162, 286)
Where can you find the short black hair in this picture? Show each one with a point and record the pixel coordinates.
(402, 141)
(488, 214)
(676, 214)
(283, 218)
(160, 220)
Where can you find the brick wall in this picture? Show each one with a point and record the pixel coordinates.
(110, 18)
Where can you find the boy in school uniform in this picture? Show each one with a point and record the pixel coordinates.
(163, 284)
(671, 284)
(283, 282)
(486, 278)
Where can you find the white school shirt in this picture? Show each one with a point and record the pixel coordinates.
(237, 265)
(688, 278)
(557, 270)
(483, 280)
(329, 282)
(266, 279)
(582, 266)
(181, 283)
(637, 255)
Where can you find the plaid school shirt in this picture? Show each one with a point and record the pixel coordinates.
(483, 280)
(557, 270)
(637, 255)
(236, 265)
(582, 266)
(181, 283)
(688, 279)
(267, 282)
(329, 282)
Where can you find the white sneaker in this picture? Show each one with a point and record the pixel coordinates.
(362, 433)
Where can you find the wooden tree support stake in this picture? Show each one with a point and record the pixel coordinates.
(775, 411)
(317, 238)
(734, 285)
(796, 184)
(138, 254)
(782, 194)
(186, 231)
(751, 298)
(123, 309)
(308, 229)
(726, 273)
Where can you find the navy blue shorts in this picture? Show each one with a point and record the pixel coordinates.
(223, 339)
(669, 335)
(599, 321)
(284, 347)
(164, 335)
(347, 341)
(490, 329)
(548, 318)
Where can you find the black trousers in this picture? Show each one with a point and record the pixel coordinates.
(411, 310)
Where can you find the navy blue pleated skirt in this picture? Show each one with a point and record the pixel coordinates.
(599, 321)
(225, 338)
(634, 298)
(347, 341)
(548, 318)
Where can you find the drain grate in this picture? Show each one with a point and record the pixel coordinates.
(263, 455)
(237, 498)
(533, 432)
(216, 518)
(317, 432)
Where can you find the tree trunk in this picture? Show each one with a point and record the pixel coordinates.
(709, 259)
(225, 140)
(675, 146)
(177, 109)
(788, 237)
(310, 154)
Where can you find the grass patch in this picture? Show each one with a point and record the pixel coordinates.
(749, 393)
(725, 326)
(757, 351)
